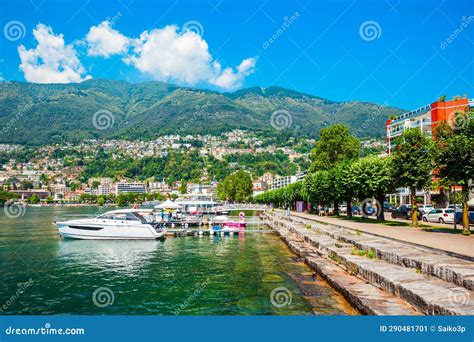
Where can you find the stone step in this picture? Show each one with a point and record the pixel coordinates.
(367, 298)
(429, 294)
(451, 269)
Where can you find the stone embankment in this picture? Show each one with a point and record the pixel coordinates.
(380, 276)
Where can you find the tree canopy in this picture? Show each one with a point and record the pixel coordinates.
(335, 145)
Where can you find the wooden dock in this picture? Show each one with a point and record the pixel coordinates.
(181, 232)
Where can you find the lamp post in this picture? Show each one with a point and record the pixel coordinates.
(454, 200)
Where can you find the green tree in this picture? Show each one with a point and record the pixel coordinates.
(6, 196)
(335, 145)
(455, 158)
(345, 185)
(236, 187)
(100, 200)
(121, 200)
(413, 163)
(74, 186)
(44, 179)
(183, 187)
(317, 187)
(34, 199)
(372, 177)
(26, 185)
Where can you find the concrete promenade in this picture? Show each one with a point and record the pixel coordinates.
(378, 275)
(451, 243)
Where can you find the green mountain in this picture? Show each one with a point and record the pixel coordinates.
(46, 113)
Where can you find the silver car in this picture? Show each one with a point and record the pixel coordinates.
(439, 215)
(426, 208)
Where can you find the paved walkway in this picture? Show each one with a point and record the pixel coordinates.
(452, 243)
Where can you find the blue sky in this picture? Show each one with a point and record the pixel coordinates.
(396, 52)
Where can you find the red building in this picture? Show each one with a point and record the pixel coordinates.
(425, 118)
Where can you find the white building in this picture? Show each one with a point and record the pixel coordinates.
(280, 182)
(130, 187)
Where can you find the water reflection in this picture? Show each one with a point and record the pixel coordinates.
(124, 257)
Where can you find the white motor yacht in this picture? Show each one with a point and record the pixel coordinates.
(125, 224)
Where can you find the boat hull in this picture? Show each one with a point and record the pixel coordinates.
(235, 224)
(82, 231)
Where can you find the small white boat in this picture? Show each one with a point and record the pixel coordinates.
(125, 224)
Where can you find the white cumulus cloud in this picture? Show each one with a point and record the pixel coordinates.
(52, 61)
(183, 57)
(230, 79)
(165, 54)
(104, 41)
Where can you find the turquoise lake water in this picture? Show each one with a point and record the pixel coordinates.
(250, 274)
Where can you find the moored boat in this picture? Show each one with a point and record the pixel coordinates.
(125, 224)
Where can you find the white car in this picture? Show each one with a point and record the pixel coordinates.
(439, 215)
(426, 208)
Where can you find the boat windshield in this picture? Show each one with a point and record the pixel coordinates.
(122, 217)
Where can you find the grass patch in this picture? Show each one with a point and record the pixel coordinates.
(371, 253)
(374, 221)
(336, 258)
(446, 230)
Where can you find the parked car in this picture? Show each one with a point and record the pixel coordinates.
(452, 206)
(426, 208)
(459, 217)
(388, 207)
(439, 215)
(404, 212)
(355, 210)
(343, 209)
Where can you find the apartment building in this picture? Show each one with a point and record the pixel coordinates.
(282, 181)
(130, 187)
(424, 118)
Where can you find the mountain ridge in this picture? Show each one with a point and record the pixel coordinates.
(50, 113)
